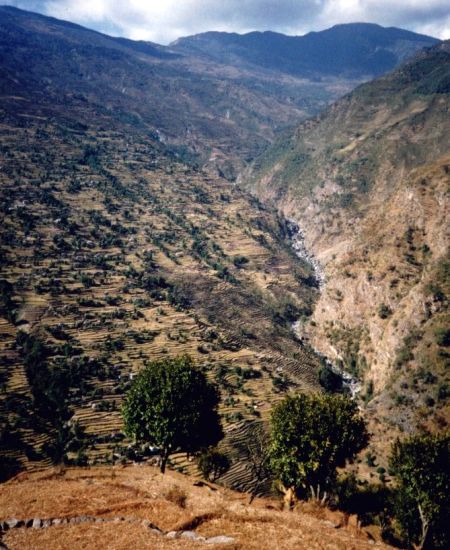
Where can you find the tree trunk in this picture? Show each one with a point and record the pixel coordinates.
(290, 498)
(164, 459)
(253, 493)
(425, 528)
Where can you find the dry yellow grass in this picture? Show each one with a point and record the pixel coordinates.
(137, 493)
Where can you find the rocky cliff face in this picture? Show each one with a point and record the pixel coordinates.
(368, 183)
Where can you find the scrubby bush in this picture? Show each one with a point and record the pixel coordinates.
(213, 464)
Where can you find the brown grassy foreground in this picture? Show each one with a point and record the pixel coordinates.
(143, 493)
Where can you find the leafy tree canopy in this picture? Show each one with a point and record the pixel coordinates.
(421, 465)
(172, 406)
(311, 436)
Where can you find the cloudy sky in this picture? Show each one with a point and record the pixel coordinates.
(165, 20)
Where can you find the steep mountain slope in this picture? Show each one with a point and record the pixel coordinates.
(220, 114)
(119, 244)
(214, 114)
(114, 253)
(368, 182)
(356, 50)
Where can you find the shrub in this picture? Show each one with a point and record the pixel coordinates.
(443, 336)
(212, 463)
(330, 380)
(177, 496)
(240, 261)
(384, 311)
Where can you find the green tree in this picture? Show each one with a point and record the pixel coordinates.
(420, 464)
(311, 435)
(172, 405)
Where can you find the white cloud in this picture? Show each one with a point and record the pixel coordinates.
(165, 20)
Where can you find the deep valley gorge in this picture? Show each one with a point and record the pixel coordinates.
(224, 196)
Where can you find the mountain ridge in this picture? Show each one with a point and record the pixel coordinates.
(361, 49)
(221, 114)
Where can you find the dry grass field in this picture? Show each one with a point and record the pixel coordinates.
(123, 497)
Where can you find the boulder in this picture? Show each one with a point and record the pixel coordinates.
(119, 519)
(37, 523)
(15, 523)
(149, 525)
(221, 539)
(191, 535)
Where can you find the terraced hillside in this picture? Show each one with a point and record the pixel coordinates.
(219, 113)
(114, 253)
(368, 182)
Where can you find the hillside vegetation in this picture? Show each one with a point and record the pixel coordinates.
(124, 240)
(113, 253)
(368, 183)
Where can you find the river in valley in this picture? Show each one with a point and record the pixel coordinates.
(297, 239)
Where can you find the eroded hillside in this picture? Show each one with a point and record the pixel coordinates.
(368, 182)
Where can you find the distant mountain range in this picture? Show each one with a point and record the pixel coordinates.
(216, 98)
(355, 50)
